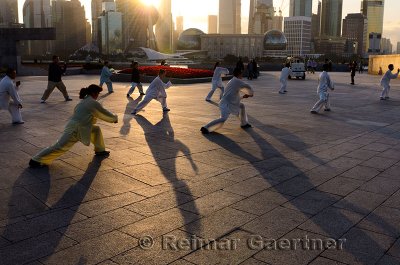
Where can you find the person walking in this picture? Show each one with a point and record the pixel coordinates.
(230, 103)
(8, 91)
(385, 81)
(105, 77)
(80, 128)
(324, 83)
(54, 80)
(353, 70)
(284, 78)
(135, 79)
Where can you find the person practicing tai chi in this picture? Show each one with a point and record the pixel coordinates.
(105, 77)
(8, 91)
(324, 83)
(230, 103)
(156, 90)
(385, 81)
(135, 80)
(54, 80)
(284, 78)
(217, 80)
(80, 128)
(353, 70)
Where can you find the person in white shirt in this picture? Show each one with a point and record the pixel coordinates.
(284, 78)
(230, 103)
(156, 91)
(8, 91)
(217, 80)
(105, 77)
(324, 83)
(385, 81)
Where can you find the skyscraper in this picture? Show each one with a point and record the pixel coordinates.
(8, 12)
(212, 24)
(262, 17)
(298, 33)
(316, 22)
(355, 30)
(179, 25)
(229, 18)
(331, 18)
(164, 27)
(300, 8)
(374, 11)
(96, 12)
(110, 29)
(398, 47)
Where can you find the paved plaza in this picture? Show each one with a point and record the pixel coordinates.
(296, 189)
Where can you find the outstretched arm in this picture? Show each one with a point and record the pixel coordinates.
(103, 114)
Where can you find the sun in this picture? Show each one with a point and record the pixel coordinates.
(151, 2)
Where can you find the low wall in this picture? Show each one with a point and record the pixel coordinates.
(377, 61)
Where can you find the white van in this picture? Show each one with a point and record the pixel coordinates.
(298, 70)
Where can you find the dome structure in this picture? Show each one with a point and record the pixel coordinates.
(190, 39)
(275, 40)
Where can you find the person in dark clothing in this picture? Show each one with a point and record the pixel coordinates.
(54, 80)
(255, 69)
(240, 64)
(135, 79)
(353, 69)
(250, 70)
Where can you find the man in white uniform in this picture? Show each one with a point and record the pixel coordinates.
(385, 81)
(284, 78)
(230, 103)
(217, 80)
(324, 83)
(8, 91)
(155, 91)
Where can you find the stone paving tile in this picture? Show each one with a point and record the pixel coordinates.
(234, 250)
(90, 163)
(361, 247)
(282, 173)
(100, 206)
(158, 189)
(276, 223)
(379, 147)
(291, 254)
(160, 224)
(240, 173)
(210, 185)
(362, 154)
(340, 186)
(383, 220)
(211, 227)
(15, 176)
(108, 262)
(224, 161)
(395, 249)
(295, 186)
(393, 201)
(332, 222)
(390, 153)
(361, 173)
(253, 261)
(181, 262)
(213, 202)
(392, 172)
(160, 203)
(130, 157)
(262, 202)
(361, 201)
(380, 163)
(34, 248)
(99, 225)
(250, 186)
(93, 251)
(389, 260)
(324, 261)
(382, 186)
(312, 202)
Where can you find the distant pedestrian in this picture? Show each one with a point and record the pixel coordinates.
(217, 80)
(353, 70)
(385, 81)
(324, 83)
(135, 79)
(314, 66)
(8, 91)
(105, 77)
(256, 72)
(156, 90)
(240, 64)
(80, 128)
(54, 80)
(285, 73)
(250, 71)
(230, 103)
(360, 67)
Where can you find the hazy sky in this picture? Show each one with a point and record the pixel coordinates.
(195, 13)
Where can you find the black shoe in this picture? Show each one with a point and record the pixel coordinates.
(383, 98)
(128, 96)
(68, 99)
(246, 126)
(18, 122)
(314, 112)
(35, 164)
(282, 93)
(110, 92)
(204, 130)
(103, 153)
(327, 109)
(166, 109)
(142, 94)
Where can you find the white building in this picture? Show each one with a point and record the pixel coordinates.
(110, 29)
(398, 47)
(386, 46)
(164, 27)
(298, 33)
(212, 24)
(229, 18)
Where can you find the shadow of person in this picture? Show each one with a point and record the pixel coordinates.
(55, 217)
(126, 126)
(325, 224)
(163, 129)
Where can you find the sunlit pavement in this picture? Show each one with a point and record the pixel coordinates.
(296, 189)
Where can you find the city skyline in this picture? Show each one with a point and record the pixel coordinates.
(196, 13)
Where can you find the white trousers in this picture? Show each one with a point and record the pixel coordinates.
(323, 101)
(214, 86)
(147, 100)
(133, 86)
(385, 91)
(15, 112)
(283, 85)
(218, 123)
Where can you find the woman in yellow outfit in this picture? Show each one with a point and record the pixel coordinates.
(80, 128)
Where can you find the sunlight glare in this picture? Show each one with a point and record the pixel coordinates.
(151, 2)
